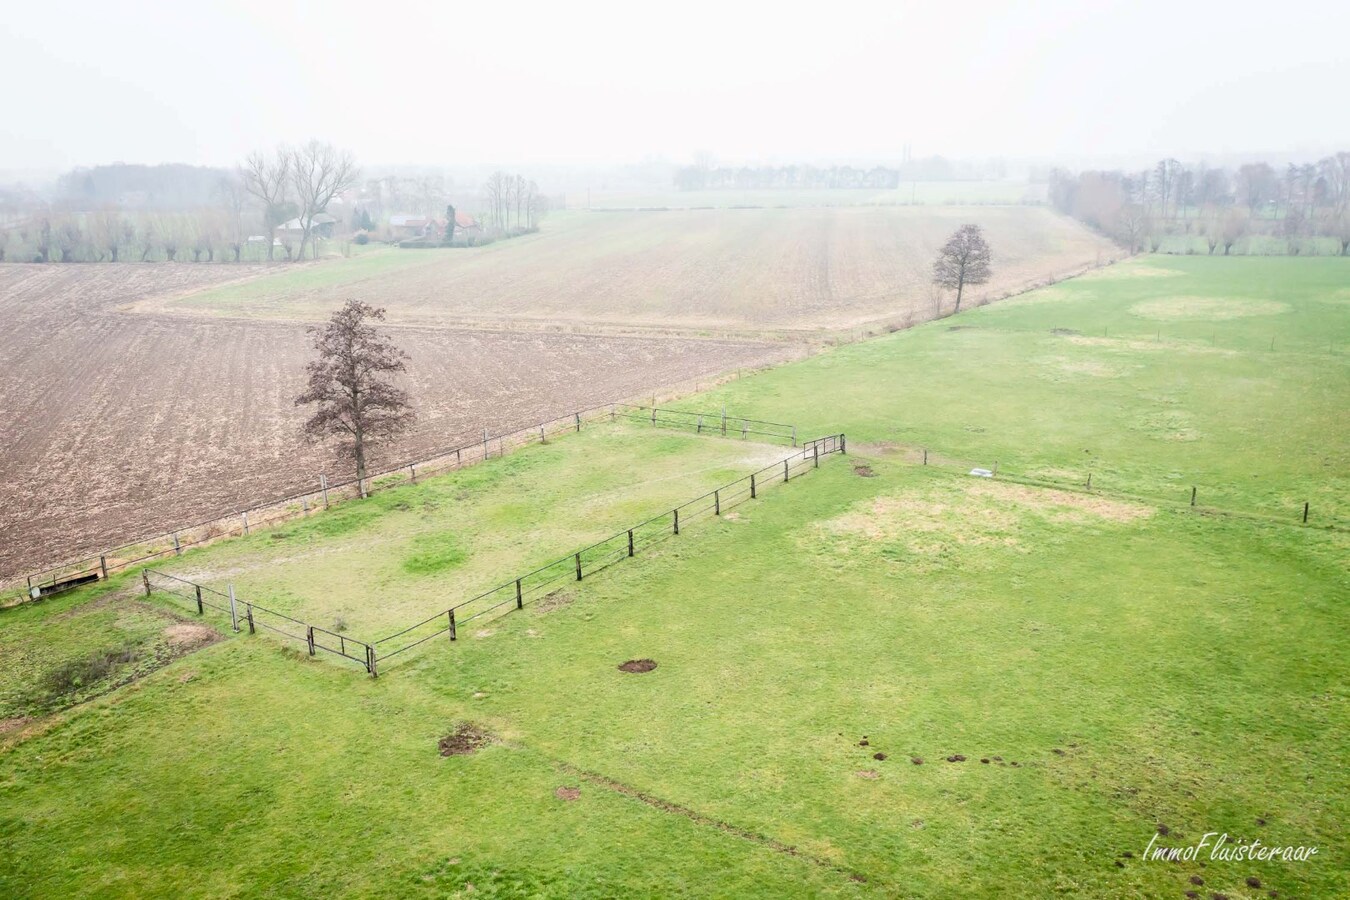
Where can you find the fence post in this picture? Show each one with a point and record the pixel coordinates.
(145, 579)
(794, 435)
(578, 567)
(785, 470)
(700, 424)
(541, 434)
(177, 548)
(309, 638)
(102, 564)
(717, 503)
(1305, 512)
(323, 485)
(1089, 481)
(724, 421)
(578, 416)
(412, 471)
(245, 524)
(248, 614)
(925, 456)
(201, 610)
(234, 619)
(630, 542)
(677, 521)
(996, 467)
(520, 603)
(843, 443)
(304, 506)
(1192, 496)
(453, 635)
(745, 428)
(752, 487)
(485, 447)
(815, 455)
(653, 410)
(370, 661)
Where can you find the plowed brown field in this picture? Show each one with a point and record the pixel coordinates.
(741, 271)
(115, 425)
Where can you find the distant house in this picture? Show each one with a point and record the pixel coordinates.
(323, 227)
(466, 225)
(403, 227)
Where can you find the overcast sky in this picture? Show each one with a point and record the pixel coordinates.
(453, 83)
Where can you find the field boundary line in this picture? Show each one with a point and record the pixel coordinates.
(100, 566)
(705, 820)
(926, 456)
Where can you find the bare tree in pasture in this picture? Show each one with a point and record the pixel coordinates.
(963, 260)
(268, 180)
(349, 383)
(67, 235)
(1235, 224)
(319, 172)
(1132, 223)
(231, 196)
(107, 233)
(1257, 186)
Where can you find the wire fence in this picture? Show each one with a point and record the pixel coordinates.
(327, 492)
(1278, 506)
(245, 614)
(513, 594)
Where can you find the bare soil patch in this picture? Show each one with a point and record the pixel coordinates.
(637, 665)
(1061, 505)
(567, 793)
(464, 740)
(555, 600)
(185, 637)
(863, 471)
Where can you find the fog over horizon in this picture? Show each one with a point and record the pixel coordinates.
(608, 83)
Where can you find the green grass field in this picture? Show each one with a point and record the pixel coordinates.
(1121, 662)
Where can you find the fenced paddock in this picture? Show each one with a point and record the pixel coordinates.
(515, 592)
(326, 491)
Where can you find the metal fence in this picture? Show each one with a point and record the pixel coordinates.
(514, 593)
(326, 491)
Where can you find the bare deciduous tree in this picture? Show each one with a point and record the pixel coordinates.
(963, 260)
(319, 172)
(268, 180)
(348, 381)
(1132, 223)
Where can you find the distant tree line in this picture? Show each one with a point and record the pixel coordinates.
(512, 203)
(1171, 200)
(703, 175)
(176, 213)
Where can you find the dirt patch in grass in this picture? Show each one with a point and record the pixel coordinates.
(637, 665)
(467, 738)
(1170, 309)
(567, 793)
(864, 471)
(1061, 505)
(555, 600)
(184, 637)
(14, 723)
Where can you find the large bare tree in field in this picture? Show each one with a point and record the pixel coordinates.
(268, 179)
(319, 172)
(963, 260)
(350, 384)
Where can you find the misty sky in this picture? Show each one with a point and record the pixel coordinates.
(462, 82)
